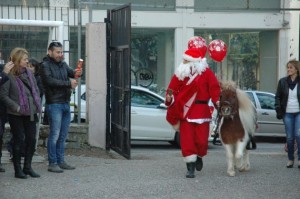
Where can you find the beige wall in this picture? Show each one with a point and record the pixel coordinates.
(96, 83)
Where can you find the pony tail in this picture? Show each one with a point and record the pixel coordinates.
(247, 112)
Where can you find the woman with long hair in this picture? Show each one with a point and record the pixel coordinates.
(287, 104)
(21, 96)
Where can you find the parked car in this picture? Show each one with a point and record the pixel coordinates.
(74, 102)
(268, 124)
(148, 116)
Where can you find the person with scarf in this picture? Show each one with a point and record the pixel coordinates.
(287, 106)
(20, 95)
(3, 117)
(33, 65)
(188, 93)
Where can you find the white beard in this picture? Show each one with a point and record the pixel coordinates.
(188, 69)
(183, 71)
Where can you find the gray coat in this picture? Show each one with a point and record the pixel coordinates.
(9, 95)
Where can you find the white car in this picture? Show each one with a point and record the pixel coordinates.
(148, 116)
(268, 124)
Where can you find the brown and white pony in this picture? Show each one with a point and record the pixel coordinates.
(237, 124)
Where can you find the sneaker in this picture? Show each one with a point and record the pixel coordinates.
(290, 164)
(55, 168)
(65, 166)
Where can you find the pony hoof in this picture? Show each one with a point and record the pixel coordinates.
(238, 156)
(244, 168)
(231, 173)
(247, 168)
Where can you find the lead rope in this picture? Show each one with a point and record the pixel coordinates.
(217, 122)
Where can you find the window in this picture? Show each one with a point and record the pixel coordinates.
(141, 98)
(151, 50)
(266, 101)
(250, 95)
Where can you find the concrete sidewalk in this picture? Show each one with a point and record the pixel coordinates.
(6, 159)
(157, 173)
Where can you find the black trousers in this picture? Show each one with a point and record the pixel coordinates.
(2, 129)
(21, 127)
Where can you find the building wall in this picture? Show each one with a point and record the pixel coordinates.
(184, 20)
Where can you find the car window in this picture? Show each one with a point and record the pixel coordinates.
(266, 101)
(251, 97)
(141, 98)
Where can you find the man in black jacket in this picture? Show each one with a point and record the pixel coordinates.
(4, 70)
(55, 75)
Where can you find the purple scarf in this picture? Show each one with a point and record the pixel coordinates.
(23, 101)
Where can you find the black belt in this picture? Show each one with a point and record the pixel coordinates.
(201, 102)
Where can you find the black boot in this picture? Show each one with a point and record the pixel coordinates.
(190, 169)
(17, 166)
(1, 167)
(199, 163)
(27, 167)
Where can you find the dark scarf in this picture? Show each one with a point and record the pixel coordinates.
(291, 83)
(24, 105)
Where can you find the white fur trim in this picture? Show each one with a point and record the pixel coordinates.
(190, 58)
(190, 158)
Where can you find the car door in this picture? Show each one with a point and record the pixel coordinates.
(148, 117)
(268, 124)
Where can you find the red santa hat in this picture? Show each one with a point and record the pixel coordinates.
(192, 55)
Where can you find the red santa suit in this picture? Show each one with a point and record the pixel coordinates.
(191, 87)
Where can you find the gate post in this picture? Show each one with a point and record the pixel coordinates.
(96, 82)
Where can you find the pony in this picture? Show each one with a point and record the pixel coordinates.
(237, 125)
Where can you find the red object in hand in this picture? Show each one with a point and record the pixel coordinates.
(79, 67)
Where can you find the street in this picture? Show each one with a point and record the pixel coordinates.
(156, 170)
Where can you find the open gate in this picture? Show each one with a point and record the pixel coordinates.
(119, 80)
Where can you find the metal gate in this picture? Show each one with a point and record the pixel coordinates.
(118, 66)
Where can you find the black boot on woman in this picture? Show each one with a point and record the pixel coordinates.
(27, 167)
(17, 164)
(1, 166)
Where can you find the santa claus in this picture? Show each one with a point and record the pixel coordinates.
(188, 93)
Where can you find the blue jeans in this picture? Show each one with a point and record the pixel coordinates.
(292, 129)
(59, 117)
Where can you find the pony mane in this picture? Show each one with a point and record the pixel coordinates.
(228, 85)
(247, 112)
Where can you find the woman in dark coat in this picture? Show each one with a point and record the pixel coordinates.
(287, 105)
(20, 94)
(3, 117)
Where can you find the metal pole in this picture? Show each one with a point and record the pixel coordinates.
(79, 57)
